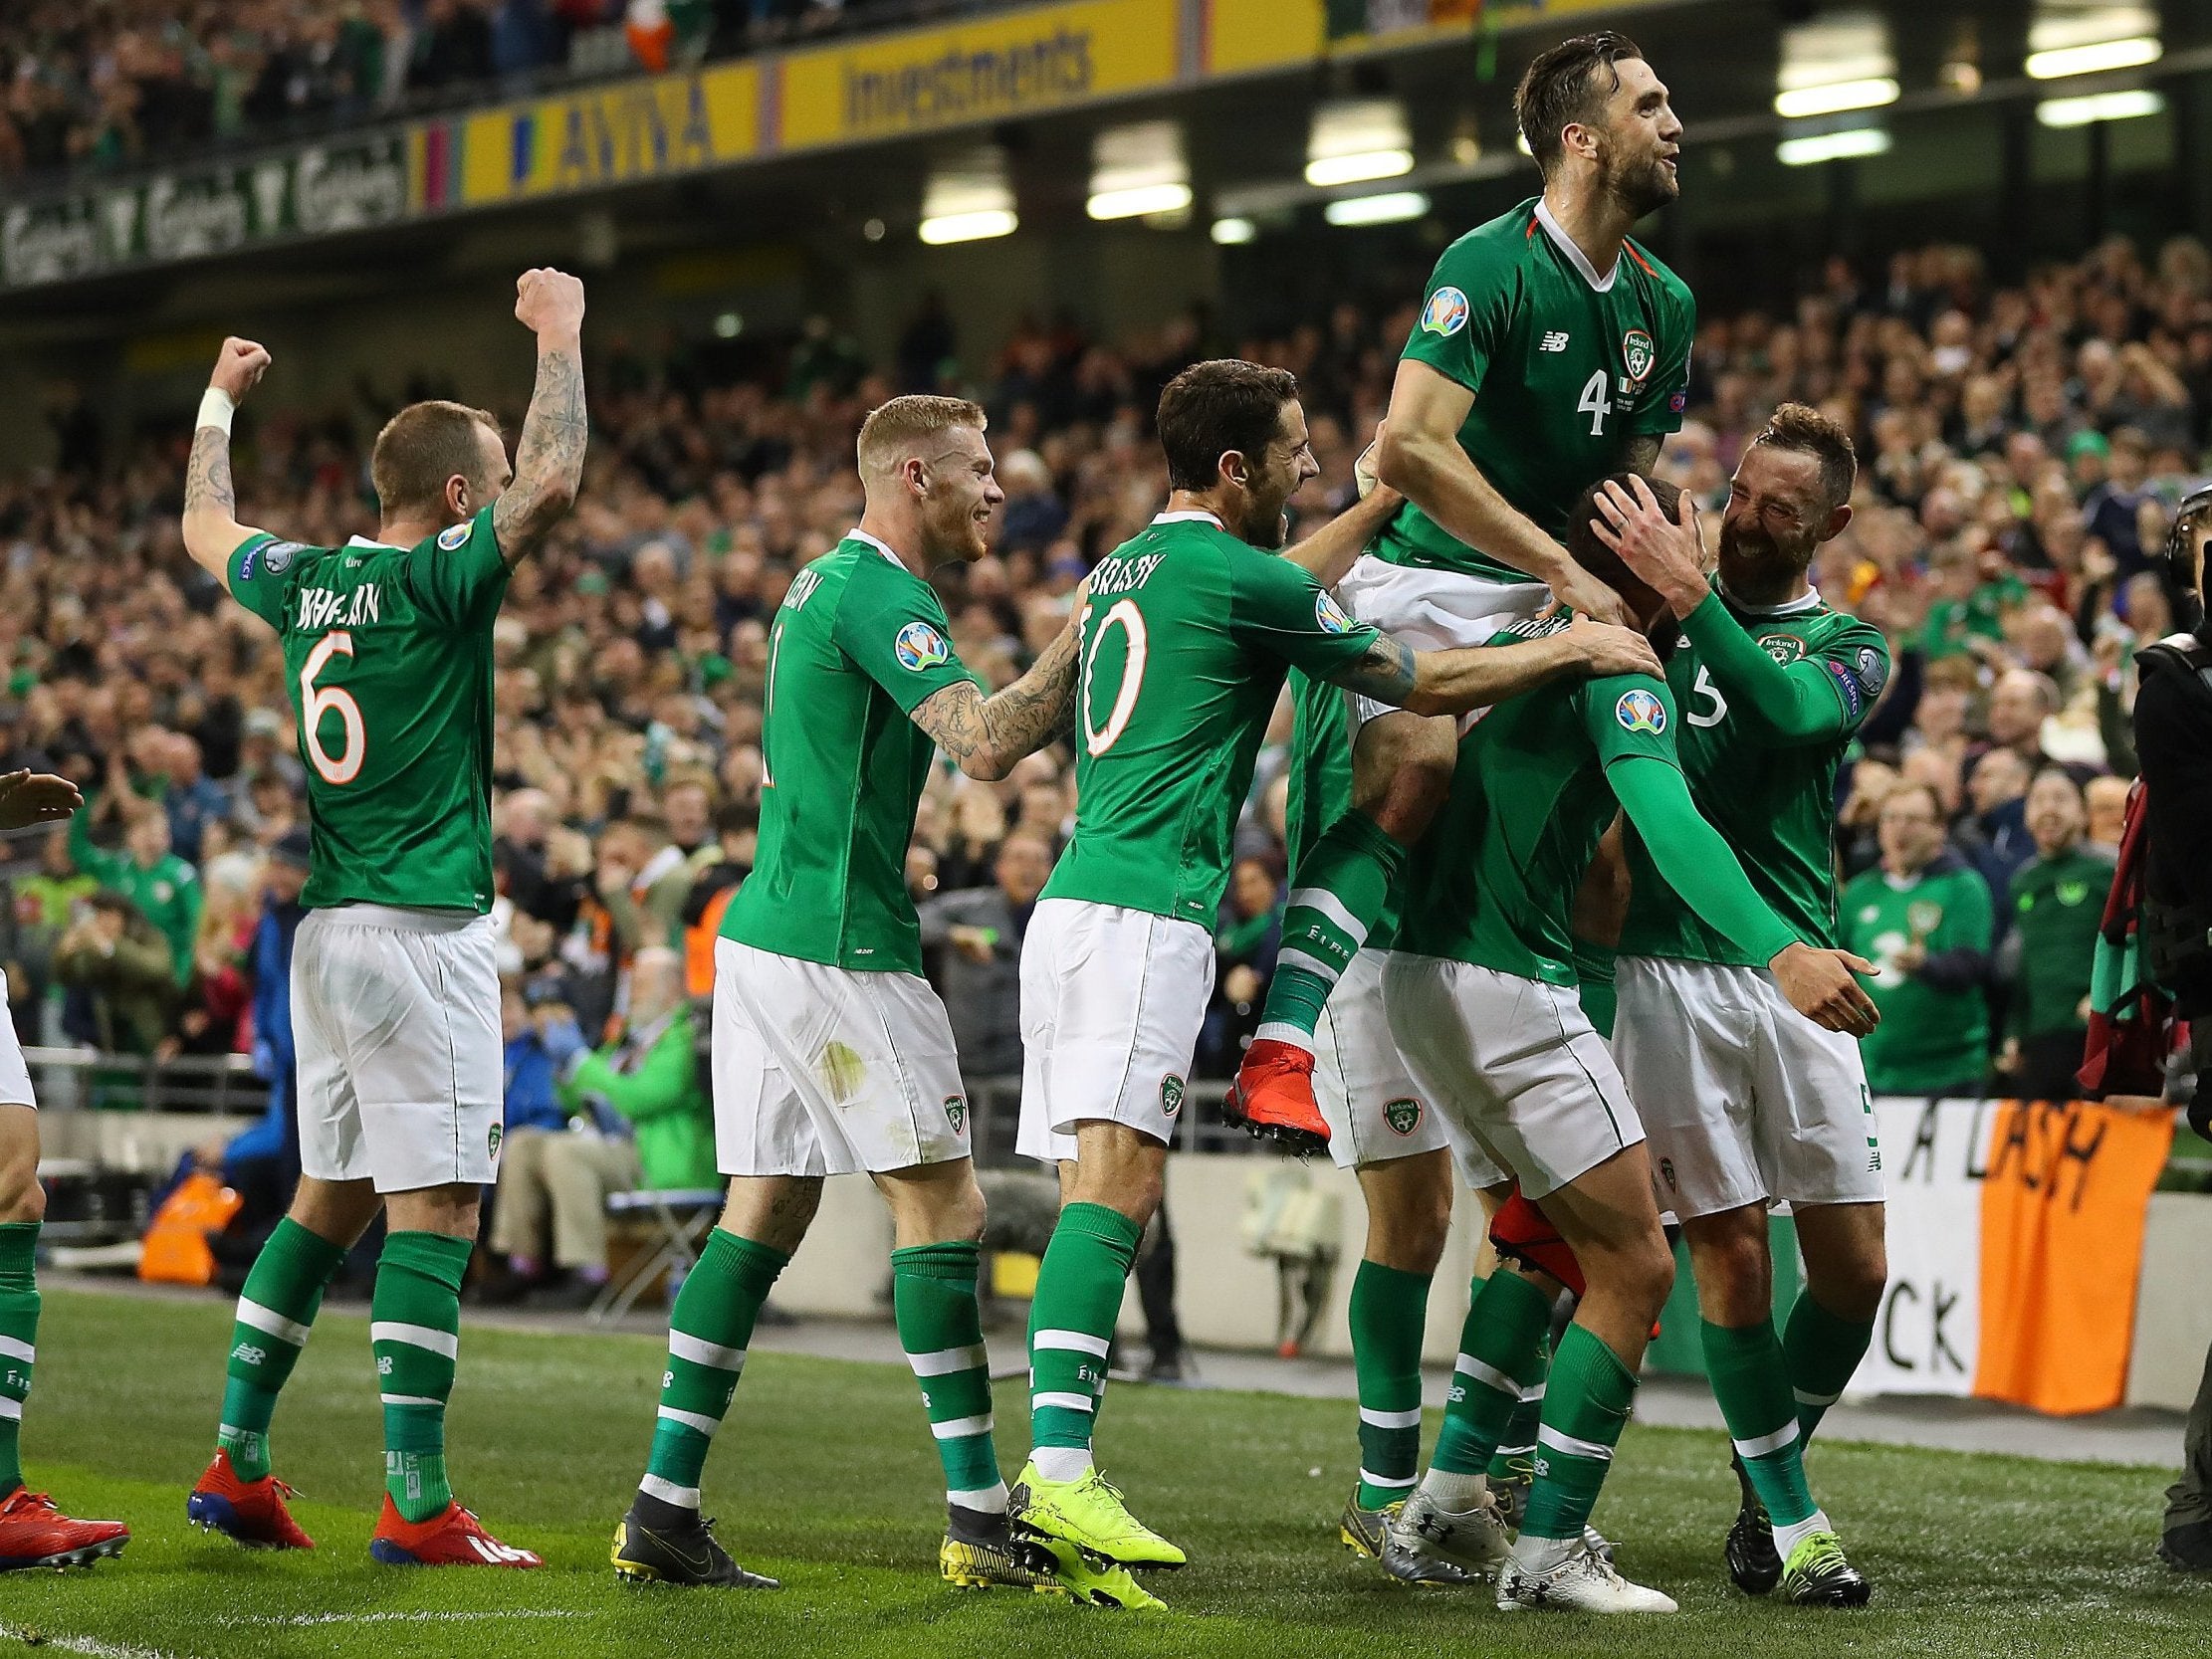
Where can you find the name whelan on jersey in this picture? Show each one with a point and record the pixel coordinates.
(320, 607)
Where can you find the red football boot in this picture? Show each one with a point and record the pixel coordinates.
(33, 1533)
(454, 1538)
(252, 1512)
(1523, 1233)
(1272, 1097)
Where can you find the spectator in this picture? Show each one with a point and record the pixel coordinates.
(191, 799)
(641, 1118)
(1993, 835)
(164, 890)
(979, 932)
(124, 970)
(2105, 801)
(2056, 903)
(532, 1111)
(46, 903)
(1245, 948)
(1923, 918)
(2019, 704)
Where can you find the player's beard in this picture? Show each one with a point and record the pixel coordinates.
(1644, 185)
(1265, 525)
(1755, 567)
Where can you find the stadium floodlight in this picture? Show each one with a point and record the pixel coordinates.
(978, 225)
(1234, 231)
(1138, 200)
(2091, 108)
(1360, 167)
(1389, 208)
(2094, 57)
(1833, 147)
(1358, 140)
(1870, 92)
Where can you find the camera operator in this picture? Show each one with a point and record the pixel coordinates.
(2173, 741)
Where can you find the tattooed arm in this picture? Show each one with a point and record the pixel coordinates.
(1475, 676)
(212, 532)
(988, 735)
(549, 456)
(1640, 453)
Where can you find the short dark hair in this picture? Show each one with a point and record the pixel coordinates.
(423, 446)
(1584, 547)
(1563, 86)
(1805, 430)
(1212, 408)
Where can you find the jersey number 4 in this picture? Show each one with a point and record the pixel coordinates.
(1125, 615)
(1595, 403)
(315, 703)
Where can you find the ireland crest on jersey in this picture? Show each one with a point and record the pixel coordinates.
(955, 1111)
(1170, 1095)
(1403, 1116)
(1638, 355)
(1783, 648)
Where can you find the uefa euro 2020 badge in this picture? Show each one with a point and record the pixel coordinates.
(920, 646)
(1641, 710)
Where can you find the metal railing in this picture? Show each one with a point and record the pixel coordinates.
(81, 1079)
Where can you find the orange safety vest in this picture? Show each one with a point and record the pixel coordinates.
(699, 945)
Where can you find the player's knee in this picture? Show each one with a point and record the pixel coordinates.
(1409, 1232)
(22, 1197)
(1644, 1273)
(1735, 1275)
(1852, 1288)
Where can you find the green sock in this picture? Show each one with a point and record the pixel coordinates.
(1585, 1409)
(941, 1326)
(1518, 1446)
(1752, 1383)
(1823, 1352)
(1340, 888)
(1071, 1326)
(414, 1328)
(1390, 1309)
(275, 1311)
(1504, 1332)
(708, 1331)
(19, 1340)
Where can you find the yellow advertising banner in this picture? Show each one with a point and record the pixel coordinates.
(996, 69)
(613, 135)
(1246, 37)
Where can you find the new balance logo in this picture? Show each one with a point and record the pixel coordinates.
(248, 1355)
(1555, 340)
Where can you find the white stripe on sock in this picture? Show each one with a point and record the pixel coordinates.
(1516, 1451)
(1824, 1400)
(1066, 1403)
(701, 1352)
(990, 1499)
(1320, 968)
(1766, 1444)
(959, 1428)
(273, 1322)
(1488, 1375)
(1282, 1031)
(1391, 1420)
(697, 1422)
(668, 1492)
(12, 1410)
(409, 1399)
(10, 1349)
(1536, 1391)
(447, 1342)
(1078, 1341)
(1396, 1485)
(1546, 1435)
(1330, 905)
(947, 1359)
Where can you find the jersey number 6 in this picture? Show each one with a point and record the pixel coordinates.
(1098, 740)
(346, 766)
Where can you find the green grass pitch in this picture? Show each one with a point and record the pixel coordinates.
(825, 1477)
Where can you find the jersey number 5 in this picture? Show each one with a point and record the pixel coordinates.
(1131, 620)
(1705, 687)
(346, 766)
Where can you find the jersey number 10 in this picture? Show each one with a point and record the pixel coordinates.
(1131, 620)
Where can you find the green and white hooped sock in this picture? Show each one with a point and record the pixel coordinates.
(1341, 887)
(415, 1331)
(708, 1331)
(1585, 1409)
(1751, 1382)
(275, 1310)
(1389, 1310)
(19, 1340)
(941, 1327)
(1499, 1358)
(1071, 1327)
(1823, 1351)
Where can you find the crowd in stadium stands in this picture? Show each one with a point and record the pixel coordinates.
(107, 82)
(2022, 448)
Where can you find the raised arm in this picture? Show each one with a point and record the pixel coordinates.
(549, 456)
(1475, 676)
(1329, 552)
(212, 532)
(985, 736)
(1421, 456)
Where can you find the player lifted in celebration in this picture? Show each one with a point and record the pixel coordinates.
(395, 998)
(1550, 350)
(831, 1054)
(1185, 638)
(33, 1533)
(1482, 999)
(1745, 1103)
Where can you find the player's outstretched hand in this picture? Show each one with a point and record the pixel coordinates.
(1823, 986)
(28, 798)
(238, 367)
(1669, 553)
(1605, 648)
(548, 302)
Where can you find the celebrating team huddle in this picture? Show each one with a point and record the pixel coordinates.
(1538, 732)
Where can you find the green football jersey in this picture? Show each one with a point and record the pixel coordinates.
(1930, 1036)
(1581, 363)
(1494, 882)
(1774, 802)
(388, 655)
(1184, 642)
(860, 643)
(2057, 906)
(1320, 779)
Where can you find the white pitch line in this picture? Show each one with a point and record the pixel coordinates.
(301, 1621)
(91, 1646)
